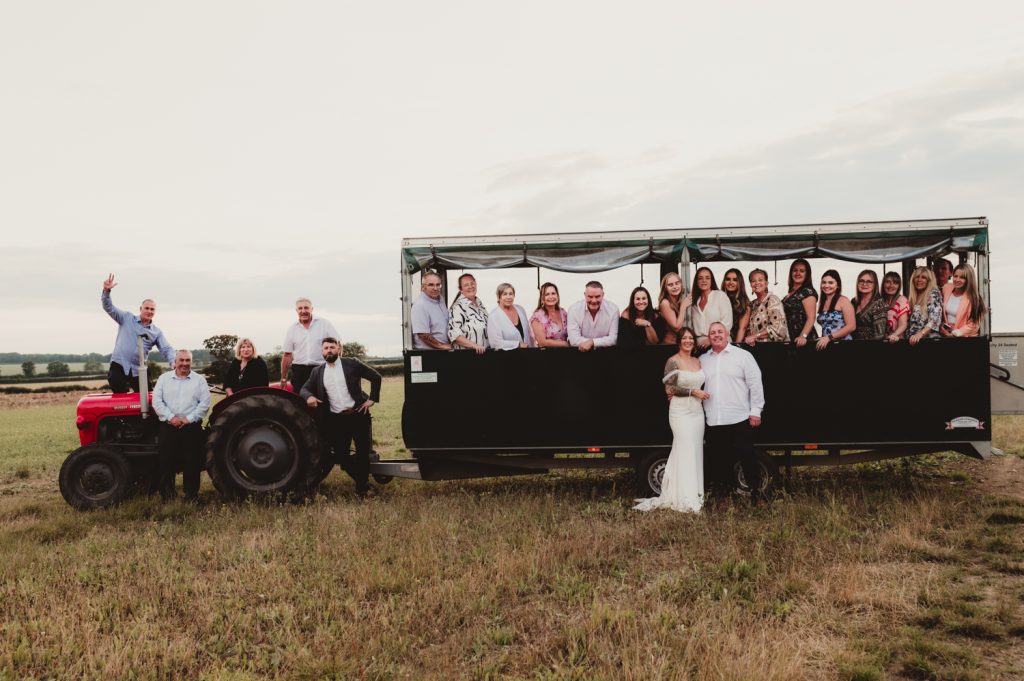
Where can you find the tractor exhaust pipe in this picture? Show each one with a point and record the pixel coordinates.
(143, 378)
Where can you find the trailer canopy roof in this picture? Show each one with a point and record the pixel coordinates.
(864, 242)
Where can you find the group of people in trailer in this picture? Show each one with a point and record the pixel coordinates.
(714, 388)
(942, 301)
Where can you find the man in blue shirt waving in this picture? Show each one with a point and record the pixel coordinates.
(124, 360)
(181, 399)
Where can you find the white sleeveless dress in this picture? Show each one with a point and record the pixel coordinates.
(682, 487)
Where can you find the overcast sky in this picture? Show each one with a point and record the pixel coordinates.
(226, 157)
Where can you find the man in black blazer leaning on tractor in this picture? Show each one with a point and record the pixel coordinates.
(343, 409)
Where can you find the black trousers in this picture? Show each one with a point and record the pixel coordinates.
(728, 444)
(300, 374)
(182, 446)
(341, 430)
(121, 381)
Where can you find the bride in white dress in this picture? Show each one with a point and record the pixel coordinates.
(682, 486)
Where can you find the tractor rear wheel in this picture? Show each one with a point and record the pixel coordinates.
(95, 476)
(263, 446)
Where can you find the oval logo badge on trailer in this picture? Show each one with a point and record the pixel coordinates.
(965, 422)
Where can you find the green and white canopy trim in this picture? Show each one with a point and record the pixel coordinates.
(863, 242)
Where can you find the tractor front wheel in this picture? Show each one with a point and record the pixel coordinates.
(95, 476)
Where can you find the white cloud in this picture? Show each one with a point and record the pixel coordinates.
(225, 167)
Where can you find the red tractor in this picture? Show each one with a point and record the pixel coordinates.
(259, 442)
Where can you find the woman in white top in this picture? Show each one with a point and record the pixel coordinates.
(508, 327)
(962, 303)
(709, 305)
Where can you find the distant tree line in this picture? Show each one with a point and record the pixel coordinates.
(214, 358)
(221, 349)
(18, 358)
(200, 356)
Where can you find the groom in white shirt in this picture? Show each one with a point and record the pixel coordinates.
(733, 410)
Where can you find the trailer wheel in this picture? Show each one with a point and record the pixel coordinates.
(649, 473)
(95, 476)
(381, 479)
(263, 446)
(769, 476)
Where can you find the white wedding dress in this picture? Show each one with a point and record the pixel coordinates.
(682, 487)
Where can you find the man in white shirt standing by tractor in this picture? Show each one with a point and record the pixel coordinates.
(301, 349)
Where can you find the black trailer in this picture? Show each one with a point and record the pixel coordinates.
(854, 402)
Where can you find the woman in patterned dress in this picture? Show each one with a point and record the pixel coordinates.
(767, 316)
(925, 306)
(869, 308)
(799, 303)
(550, 320)
(897, 315)
(835, 312)
(467, 323)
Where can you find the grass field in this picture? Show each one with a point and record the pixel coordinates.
(911, 569)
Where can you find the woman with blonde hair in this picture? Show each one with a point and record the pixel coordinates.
(962, 304)
(550, 321)
(247, 370)
(672, 305)
(925, 306)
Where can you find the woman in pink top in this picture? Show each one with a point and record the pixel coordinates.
(898, 315)
(550, 321)
(962, 305)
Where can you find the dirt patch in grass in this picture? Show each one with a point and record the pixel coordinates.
(29, 400)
